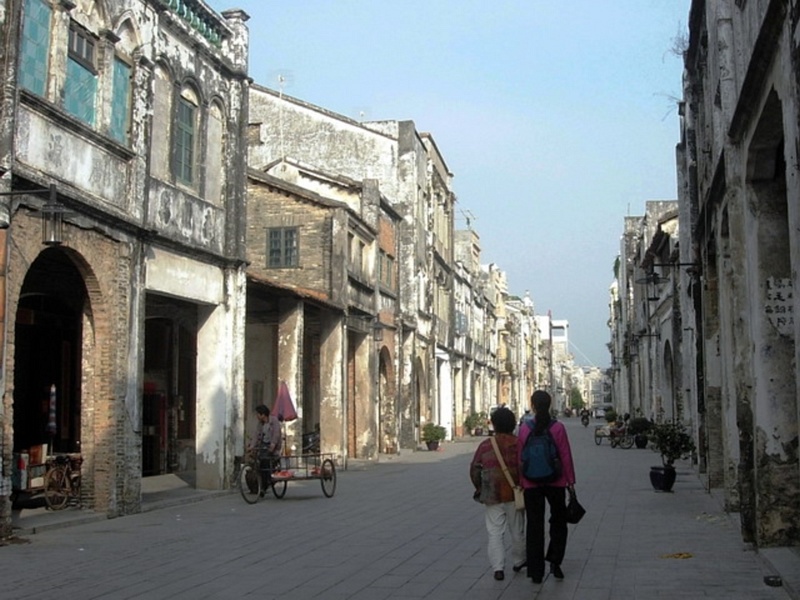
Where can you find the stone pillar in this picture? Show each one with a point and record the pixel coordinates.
(332, 384)
(213, 391)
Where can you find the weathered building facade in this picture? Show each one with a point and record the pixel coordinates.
(725, 359)
(738, 187)
(321, 305)
(413, 178)
(127, 113)
(645, 318)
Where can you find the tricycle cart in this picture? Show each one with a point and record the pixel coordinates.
(293, 467)
(616, 437)
(600, 432)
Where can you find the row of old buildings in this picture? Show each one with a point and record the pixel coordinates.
(178, 242)
(702, 306)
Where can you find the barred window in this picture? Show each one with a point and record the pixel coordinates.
(283, 247)
(386, 266)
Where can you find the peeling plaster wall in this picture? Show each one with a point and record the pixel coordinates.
(117, 203)
(393, 154)
(742, 100)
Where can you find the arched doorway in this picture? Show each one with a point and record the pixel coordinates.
(387, 418)
(668, 391)
(47, 355)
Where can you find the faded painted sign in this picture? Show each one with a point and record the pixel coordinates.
(778, 307)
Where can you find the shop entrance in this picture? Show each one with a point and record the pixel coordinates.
(169, 391)
(47, 356)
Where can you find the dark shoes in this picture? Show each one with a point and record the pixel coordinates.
(518, 568)
(499, 575)
(556, 571)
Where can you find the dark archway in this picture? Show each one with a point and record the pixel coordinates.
(47, 355)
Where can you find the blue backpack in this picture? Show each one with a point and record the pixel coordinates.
(540, 461)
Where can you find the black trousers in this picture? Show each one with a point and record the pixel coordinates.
(267, 464)
(534, 536)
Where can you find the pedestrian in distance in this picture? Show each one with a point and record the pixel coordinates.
(493, 490)
(540, 487)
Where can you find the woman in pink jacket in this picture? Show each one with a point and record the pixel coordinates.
(554, 492)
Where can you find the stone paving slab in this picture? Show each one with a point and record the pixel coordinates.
(401, 528)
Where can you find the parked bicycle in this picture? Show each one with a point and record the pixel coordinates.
(62, 482)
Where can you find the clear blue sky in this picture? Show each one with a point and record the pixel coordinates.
(557, 118)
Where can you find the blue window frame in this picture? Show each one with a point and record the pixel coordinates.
(80, 86)
(121, 101)
(35, 45)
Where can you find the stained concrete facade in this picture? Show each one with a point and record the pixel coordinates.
(324, 324)
(139, 306)
(412, 178)
(738, 160)
(725, 313)
(645, 318)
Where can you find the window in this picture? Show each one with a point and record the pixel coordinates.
(386, 275)
(35, 44)
(184, 141)
(282, 250)
(120, 101)
(80, 85)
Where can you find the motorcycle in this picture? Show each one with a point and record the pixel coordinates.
(585, 420)
(311, 442)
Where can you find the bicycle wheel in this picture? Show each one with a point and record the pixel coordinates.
(279, 488)
(56, 488)
(250, 484)
(598, 439)
(626, 442)
(328, 478)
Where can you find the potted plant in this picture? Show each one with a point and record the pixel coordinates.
(673, 442)
(639, 427)
(475, 422)
(432, 434)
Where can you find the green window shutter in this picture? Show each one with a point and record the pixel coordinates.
(120, 101)
(184, 142)
(80, 91)
(35, 45)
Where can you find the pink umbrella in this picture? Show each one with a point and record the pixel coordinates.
(284, 410)
(284, 407)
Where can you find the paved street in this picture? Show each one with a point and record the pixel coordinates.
(405, 528)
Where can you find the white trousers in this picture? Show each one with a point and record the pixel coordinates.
(502, 518)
